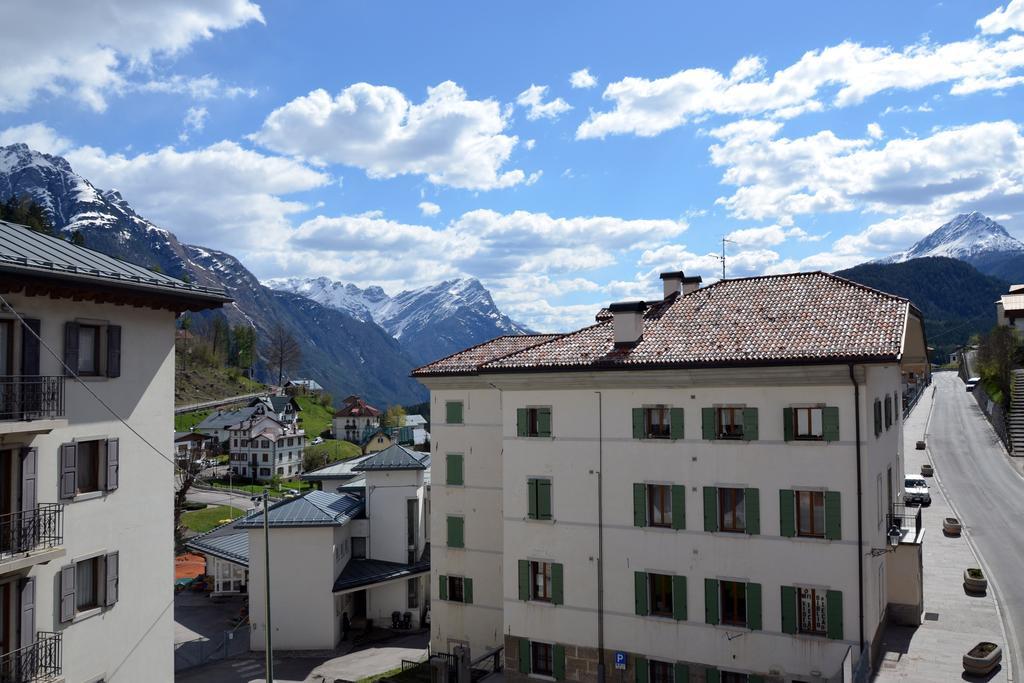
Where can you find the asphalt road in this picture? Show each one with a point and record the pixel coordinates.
(987, 493)
(241, 501)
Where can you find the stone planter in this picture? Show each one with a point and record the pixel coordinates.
(927, 470)
(920, 445)
(982, 659)
(951, 526)
(975, 581)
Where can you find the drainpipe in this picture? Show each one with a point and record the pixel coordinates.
(860, 513)
(600, 541)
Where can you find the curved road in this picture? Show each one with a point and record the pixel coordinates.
(987, 492)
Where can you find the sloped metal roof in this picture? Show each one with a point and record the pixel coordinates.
(343, 469)
(394, 457)
(359, 573)
(316, 508)
(227, 419)
(226, 542)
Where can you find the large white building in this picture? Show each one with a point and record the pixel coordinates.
(262, 447)
(704, 485)
(86, 461)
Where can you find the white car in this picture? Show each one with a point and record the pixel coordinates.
(317, 440)
(915, 490)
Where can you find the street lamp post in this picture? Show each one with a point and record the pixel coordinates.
(266, 583)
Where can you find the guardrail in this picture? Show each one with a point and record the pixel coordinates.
(31, 397)
(40, 661)
(41, 527)
(900, 516)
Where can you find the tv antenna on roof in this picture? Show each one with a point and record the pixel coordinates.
(722, 257)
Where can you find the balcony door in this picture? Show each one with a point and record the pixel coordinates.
(7, 347)
(8, 482)
(7, 642)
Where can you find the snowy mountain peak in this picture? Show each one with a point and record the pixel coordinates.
(967, 237)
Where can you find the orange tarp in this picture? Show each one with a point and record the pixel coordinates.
(189, 566)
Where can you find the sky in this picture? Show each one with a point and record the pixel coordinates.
(564, 153)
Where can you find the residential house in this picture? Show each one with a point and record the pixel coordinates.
(376, 440)
(285, 408)
(354, 418)
(192, 446)
(418, 425)
(218, 423)
(87, 373)
(303, 387)
(335, 558)
(708, 483)
(1010, 307)
(262, 447)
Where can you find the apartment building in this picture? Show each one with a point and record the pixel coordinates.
(679, 486)
(86, 400)
(262, 447)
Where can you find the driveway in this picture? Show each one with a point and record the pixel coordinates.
(242, 501)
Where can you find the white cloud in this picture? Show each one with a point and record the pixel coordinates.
(448, 138)
(532, 99)
(201, 87)
(906, 109)
(582, 79)
(846, 73)
(429, 208)
(530, 144)
(770, 235)
(90, 50)
(38, 136)
(194, 121)
(1008, 18)
(875, 131)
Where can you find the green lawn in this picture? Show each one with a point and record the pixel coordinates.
(209, 518)
(186, 421)
(335, 450)
(377, 677)
(236, 485)
(314, 418)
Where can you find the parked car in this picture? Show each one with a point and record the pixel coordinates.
(915, 490)
(972, 382)
(290, 493)
(317, 440)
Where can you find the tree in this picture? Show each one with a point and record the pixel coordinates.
(996, 355)
(243, 344)
(25, 211)
(77, 238)
(186, 472)
(283, 352)
(394, 416)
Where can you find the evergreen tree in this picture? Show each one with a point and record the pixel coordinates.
(25, 211)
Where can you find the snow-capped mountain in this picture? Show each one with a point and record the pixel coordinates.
(430, 322)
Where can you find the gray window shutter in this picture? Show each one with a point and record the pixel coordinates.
(71, 348)
(28, 612)
(68, 470)
(524, 579)
(676, 424)
(29, 479)
(113, 463)
(111, 574)
(638, 423)
(750, 424)
(67, 593)
(30, 347)
(113, 350)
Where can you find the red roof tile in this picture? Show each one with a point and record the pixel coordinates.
(357, 408)
(469, 360)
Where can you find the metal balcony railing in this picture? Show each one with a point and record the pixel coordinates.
(22, 532)
(906, 518)
(40, 661)
(31, 397)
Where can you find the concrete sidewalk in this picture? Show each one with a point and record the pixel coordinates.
(953, 620)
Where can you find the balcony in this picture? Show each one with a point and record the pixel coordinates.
(40, 661)
(31, 403)
(908, 519)
(31, 537)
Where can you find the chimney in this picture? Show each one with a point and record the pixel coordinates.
(691, 284)
(677, 283)
(628, 322)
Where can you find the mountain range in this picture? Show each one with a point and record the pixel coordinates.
(364, 344)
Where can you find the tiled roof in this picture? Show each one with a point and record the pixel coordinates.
(467, 361)
(357, 408)
(801, 317)
(394, 457)
(366, 572)
(316, 508)
(26, 252)
(226, 542)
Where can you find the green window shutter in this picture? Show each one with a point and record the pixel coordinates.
(467, 591)
(681, 672)
(752, 507)
(788, 609)
(641, 669)
(531, 493)
(454, 469)
(524, 656)
(710, 508)
(830, 423)
(679, 598)
(442, 588)
(524, 579)
(638, 423)
(544, 422)
(878, 417)
(640, 589)
(455, 532)
(557, 596)
(676, 423)
(639, 505)
(454, 412)
(712, 675)
(558, 665)
(750, 424)
(834, 614)
(678, 506)
(707, 423)
(711, 601)
(787, 513)
(521, 422)
(755, 678)
(787, 424)
(754, 606)
(543, 499)
(833, 516)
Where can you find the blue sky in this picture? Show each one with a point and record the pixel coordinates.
(401, 144)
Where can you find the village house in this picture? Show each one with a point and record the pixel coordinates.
(262, 447)
(86, 464)
(355, 418)
(708, 484)
(193, 446)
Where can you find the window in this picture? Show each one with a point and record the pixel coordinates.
(358, 547)
(414, 593)
(659, 587)
(542, 658)
(732, 514)
(280, 470)
(813, 610)
(540, 581)
(734, 603)
(733, 677)
(453, 412)
(264, 457)
(87, 584)
(661, 672)
(236, 443)
(888, 412)
(729, 422)
(539, 494)
(88, 350)
(533, 421)
(264, 471)
(659, 505)
(878, 417)
(810, 513)
(455, 585)
(807, 424)
(657, 422)
(88, 468)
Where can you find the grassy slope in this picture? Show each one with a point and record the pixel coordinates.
(209, 518)
(335, 449)
(186, 421)
(196, 381)
(314, 417)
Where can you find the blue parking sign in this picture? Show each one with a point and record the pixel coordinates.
(620, 660)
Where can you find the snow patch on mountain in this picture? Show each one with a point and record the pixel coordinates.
(966, 237)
